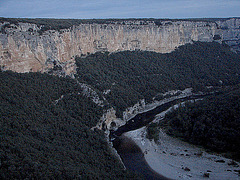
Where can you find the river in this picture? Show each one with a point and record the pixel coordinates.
(133, 158)
(130, 153)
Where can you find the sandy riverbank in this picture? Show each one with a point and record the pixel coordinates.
(176, 159)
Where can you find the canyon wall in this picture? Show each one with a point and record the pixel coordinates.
(24, 49)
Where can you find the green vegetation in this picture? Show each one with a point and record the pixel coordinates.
(41, 138)
(134, 75)
(131, 76)
(46, 122)
(213, 123)
(153, 132)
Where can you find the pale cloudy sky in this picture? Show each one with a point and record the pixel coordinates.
(89, 9)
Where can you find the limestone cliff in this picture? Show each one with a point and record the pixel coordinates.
(24, 49)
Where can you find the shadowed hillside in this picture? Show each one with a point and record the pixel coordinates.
(213, 123)
(134, 75)
(45, 131)
(46, 121)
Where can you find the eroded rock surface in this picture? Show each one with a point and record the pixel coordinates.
(23, 49)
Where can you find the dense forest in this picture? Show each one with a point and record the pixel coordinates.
(46, 121)
(130, 76)
(46, 131)
(134, 75)
(213, 123)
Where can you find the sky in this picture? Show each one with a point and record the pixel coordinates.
(101, 9)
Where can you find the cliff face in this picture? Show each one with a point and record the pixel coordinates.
(23, 49)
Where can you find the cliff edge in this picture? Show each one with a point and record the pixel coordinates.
(25, 47)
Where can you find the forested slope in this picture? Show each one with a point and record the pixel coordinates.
(46, 121)
(134, 75)
(41, 138)
(213, 123)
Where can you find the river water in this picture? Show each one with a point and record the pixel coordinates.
(133, 158)
(130, 153)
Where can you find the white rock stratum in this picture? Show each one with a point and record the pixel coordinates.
(23, 49)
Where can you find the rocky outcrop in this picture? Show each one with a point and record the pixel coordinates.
(90, 93)
(135, 109)
(109, 121)
(24, 49)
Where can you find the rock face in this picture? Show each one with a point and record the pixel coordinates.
(109, 121)
(23, 49)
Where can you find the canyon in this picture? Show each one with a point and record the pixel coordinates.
(24, 49)
(109, 90)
